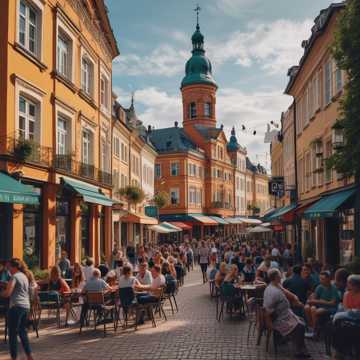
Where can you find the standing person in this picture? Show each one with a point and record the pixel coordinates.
(64, 265)
(204, 259)
(18, 290)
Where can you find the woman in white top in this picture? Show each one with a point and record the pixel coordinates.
(127, 279)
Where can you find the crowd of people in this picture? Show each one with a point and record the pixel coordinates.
(299, 297)
(146, 270)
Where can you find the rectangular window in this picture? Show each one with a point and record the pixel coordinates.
(87, 75)
(192, 110)
(338, 79)
(63, 136)
(207, 109)
(64, 55)
(116, 145)
(87, 147)
(174, 196)
(175, 169)
(28, 115)
(327, 82)
(29, 28)
(328, 153)
(158, 171)
(104, 92)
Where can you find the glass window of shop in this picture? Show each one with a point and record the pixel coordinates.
(124, 234)
(136, 234)
(347, 236)
(5, 232)
(85, 230)
(63, 241)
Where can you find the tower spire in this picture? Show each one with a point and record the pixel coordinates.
(197, 10)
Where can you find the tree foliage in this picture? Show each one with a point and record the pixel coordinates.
(161, 199)
(346, 52)
(133, 194)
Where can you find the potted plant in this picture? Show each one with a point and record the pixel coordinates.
(23, 149)
(132, 194)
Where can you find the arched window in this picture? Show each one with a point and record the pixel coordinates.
(207, 109)
(192, 110)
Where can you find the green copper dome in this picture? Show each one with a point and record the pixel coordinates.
(233, 144)
(198, 69)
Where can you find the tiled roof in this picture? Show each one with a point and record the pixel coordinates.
(208, 132)
(171, 139)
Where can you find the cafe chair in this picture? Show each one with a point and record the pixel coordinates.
(51, 301)
(128, 304)
(96, 306)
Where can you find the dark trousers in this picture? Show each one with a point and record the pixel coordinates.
(17, 321)
(297, 337)
(146, 299)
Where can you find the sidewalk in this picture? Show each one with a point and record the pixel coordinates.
(193, 333)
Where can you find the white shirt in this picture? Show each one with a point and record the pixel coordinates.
(88, 272)
(146, 279)
(158, 282)
(275, 252)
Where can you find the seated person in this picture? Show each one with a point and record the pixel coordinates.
(297, 285)
(56, 282)
(172, 263)
(4, 274)
(351, 302)
(127, 279)
(78, 278)
(153, 290)
(111, 278)
(279, 315)
(88, 269)
(212, 269)
(96, 283)
(309, 277)
(262, 271)
(341, 276)
(249, 271)
(220, 275)
(144, 276)
(324, 301)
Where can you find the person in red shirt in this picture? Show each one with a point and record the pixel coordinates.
(351, 301)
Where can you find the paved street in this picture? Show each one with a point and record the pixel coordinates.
(193, 333)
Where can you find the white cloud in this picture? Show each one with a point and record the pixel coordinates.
(274, 47)
(232, 7)
(164, 60)
(234, 108)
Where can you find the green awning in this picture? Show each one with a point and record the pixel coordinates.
(219, 219)
(280, 212)
(328, 205)
(89, 193)
(14, 192)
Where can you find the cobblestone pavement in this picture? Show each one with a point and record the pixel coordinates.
(193, 333)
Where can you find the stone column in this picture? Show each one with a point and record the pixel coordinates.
(75, 218)
(17, 231)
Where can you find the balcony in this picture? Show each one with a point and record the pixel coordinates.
(26, 151)
(221, 205)
(66, 163)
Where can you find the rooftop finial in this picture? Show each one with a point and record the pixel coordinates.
(132, 98)
(197, 10)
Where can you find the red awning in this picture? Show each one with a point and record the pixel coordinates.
(181, 225)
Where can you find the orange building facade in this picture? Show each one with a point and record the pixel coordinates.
(203, 173)
(55, 128)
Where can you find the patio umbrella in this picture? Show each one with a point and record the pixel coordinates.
(259, 229)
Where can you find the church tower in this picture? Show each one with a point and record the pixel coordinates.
(198, 86)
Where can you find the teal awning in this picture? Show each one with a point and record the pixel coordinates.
(220, 220)
(14, 192)
(88, 192)
(328, 205)
(280, 212)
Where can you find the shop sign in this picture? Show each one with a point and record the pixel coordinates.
(277, 186)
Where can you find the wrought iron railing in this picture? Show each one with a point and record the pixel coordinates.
(221, 205)
(68, 164)
(25, 150)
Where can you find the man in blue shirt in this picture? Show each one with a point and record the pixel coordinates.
(323, 302)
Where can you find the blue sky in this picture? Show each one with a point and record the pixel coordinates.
(251, 44)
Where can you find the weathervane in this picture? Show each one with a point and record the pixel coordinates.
(197, 10)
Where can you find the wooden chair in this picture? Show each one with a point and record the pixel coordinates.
(51, 301)
(95, 305)
(4, 307)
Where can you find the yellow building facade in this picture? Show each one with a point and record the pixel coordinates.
(56, 73)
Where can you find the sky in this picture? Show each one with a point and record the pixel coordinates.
(250, 43)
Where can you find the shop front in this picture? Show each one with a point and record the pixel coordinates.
(329, 227)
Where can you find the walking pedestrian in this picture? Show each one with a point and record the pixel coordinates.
(204, 253)
(18, 290)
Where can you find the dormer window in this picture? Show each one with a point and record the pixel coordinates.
(192, 110)
(207, 109)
